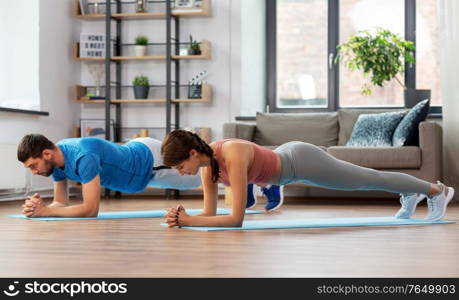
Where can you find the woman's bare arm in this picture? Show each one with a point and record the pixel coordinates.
(237, 158)
(210, 189)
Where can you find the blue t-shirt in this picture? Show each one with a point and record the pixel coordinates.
(125, 168)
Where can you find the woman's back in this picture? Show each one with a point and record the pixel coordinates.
(262, 166)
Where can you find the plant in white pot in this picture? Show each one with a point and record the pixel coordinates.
(141, 87)
(381, 56)
(141, 43)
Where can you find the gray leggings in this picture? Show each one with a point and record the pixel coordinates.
(309, 164)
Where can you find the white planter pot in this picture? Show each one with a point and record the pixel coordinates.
(140, 50)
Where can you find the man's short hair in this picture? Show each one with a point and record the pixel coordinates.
(32, 146)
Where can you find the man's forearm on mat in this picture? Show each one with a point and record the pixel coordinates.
(79, 210)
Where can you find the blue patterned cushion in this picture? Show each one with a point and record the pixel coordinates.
(407, 131)
(375, 130)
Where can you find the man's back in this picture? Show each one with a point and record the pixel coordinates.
(126, 168)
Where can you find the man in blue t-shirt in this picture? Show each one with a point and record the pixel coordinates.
(95, 162)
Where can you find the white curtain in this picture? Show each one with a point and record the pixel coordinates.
(449, 18)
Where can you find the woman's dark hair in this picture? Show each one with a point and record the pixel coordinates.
(177, 145)
(32, 146)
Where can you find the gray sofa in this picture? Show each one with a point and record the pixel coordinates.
(331, 131)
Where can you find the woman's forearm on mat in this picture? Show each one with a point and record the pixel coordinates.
(57, 203)
(204, 214)
(213, 221)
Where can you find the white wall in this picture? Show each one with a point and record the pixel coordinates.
(19, 55)
(449, 17)
(222, 29)
(58, 73)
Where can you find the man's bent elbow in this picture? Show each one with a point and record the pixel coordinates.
(91, 212)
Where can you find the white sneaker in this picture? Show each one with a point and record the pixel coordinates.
(437, 204)
(409, 203)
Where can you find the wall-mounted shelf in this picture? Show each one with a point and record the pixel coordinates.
(205, 11)
(80, 92)
(205, 54)
(172, 94)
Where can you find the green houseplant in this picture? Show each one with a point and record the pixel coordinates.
(141, 43)
(194, 48)
(141, 87)
(381, 56)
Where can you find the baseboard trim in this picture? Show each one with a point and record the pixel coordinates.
(21, 194)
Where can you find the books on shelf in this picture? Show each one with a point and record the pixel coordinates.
(93, 45)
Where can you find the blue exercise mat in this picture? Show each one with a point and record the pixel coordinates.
(132, 214)
(319, 223)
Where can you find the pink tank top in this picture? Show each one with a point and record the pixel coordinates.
(263, 165)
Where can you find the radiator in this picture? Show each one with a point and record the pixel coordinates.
(13, 174)
(15, 180)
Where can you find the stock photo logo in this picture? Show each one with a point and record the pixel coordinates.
(11, 290)
(65, 288)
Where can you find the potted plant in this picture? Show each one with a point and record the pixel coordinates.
(381, 56)
(194, 48)
(141, 87)
(140, 47)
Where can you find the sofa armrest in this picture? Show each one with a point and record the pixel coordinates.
(238, 131)
(431, 144)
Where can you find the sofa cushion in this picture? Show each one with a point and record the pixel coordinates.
(379, 158)
(375, 130)
(407, 131)
(347, 119)
(238, 131)
(271, 147)
(316, 128)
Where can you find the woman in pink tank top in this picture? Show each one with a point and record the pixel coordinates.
(233, 162)
(238, 162)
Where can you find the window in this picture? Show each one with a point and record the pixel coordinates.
(358, 15)
(301, 53)
(302, 36)
(19, 56)
(427, 49)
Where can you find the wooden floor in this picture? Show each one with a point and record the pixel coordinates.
(143, 248)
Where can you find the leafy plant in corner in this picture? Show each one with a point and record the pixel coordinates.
(195, 48)
(381, 56)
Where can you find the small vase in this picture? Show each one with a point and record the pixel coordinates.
(140, 50)
(96, 8)
(141, 6)
(141, 91)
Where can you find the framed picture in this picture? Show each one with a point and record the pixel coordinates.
(96, 128)
(184, 3)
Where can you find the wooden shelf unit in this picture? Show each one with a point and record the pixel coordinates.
(205, 54)
(206, 11)
(117, 17)
(80, 92)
